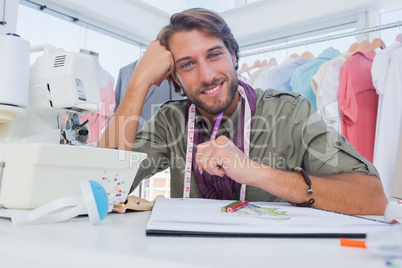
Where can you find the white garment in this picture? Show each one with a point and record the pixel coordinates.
(257, 73)
(388, 81)
(318, 78)
(263, 77)
(397, 182)
(381, 64)
(379, 71)
(262, 80)
(327, 93)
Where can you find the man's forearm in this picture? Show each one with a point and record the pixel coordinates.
(122, 128)
(156, 65)
(346, 193)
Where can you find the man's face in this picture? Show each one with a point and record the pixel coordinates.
(204, 68)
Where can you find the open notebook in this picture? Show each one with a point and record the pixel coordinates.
(258, 219)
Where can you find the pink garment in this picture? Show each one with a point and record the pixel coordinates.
(108, 100)
(97, 121)
(358, 102)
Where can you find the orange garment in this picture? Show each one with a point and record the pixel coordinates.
(358, 102)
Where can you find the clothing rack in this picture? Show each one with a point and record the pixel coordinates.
(323, 39)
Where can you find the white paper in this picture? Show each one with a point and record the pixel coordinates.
(205, 216)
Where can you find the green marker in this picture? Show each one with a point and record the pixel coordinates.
(230, 205)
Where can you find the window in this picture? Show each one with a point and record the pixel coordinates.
(390, 16)
(41, 28)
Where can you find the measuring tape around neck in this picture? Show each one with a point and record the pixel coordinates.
(190, 143)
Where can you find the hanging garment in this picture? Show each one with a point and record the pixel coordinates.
(123, 79)
(264, 67)
(245, 69)
(155, 96)
(318, 78)
(327, 93)
(280, 78)
(98, 121)
(263, 80)
(301, 79)
(387, 78)
(379, 72)
(257, 73)
(396, 186)
(358, 102)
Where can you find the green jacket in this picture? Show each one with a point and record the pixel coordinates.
(286, 132)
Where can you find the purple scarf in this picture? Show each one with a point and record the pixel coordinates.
(224, 188)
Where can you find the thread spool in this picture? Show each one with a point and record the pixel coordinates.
(14, 75)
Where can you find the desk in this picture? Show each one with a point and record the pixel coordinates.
(120, 241)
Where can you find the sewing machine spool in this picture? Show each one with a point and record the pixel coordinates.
(14, 76)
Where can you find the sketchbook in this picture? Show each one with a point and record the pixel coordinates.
(203, 217)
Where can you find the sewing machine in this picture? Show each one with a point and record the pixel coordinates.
(43, 158)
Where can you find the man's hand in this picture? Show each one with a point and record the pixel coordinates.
(221, 157)
(155, 66)
(346, 193)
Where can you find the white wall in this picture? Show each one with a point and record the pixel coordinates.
(251, 23)
(259, 24)
(132, 19)
(273, 19)
(41, 28)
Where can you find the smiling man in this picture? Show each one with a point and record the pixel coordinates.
(204, 66)
(230, 141)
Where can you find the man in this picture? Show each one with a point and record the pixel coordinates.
(265, 139)
(155, 96)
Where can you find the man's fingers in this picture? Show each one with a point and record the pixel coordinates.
(200, 159)
(202, 155)
(209, 163)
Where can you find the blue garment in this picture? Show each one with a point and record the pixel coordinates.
(301, 79)
(280, 79)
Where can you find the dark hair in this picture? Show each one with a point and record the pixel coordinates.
(203, 20)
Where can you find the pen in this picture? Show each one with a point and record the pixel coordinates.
(214, 133)
(242, 204)
(353, 243)
(230, 205)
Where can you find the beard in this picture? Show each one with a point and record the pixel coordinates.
(219, 106)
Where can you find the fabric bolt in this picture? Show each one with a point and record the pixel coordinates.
(387, 76)
(327, 94)
(358, 102)
(286, 133)
(155, 96)
(280, 78)
(301, 79)
(264, 77)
